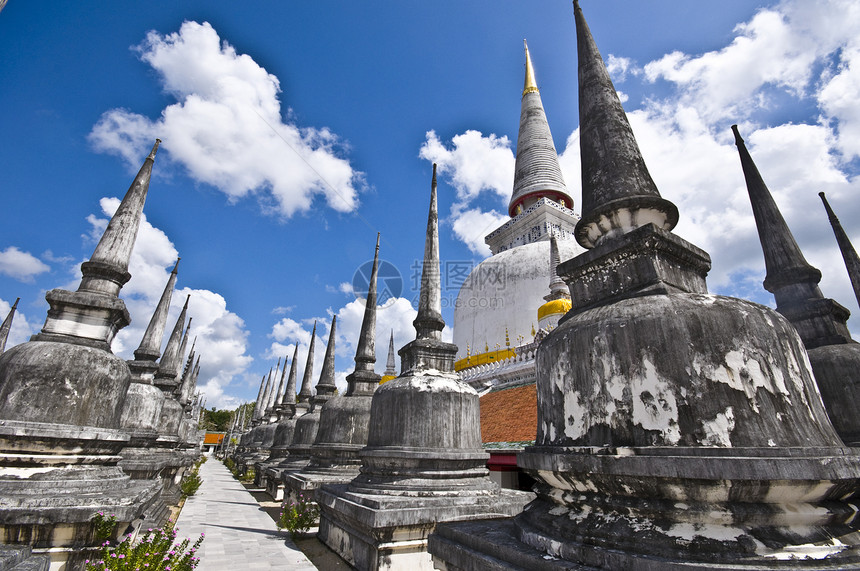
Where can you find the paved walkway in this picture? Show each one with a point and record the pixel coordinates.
(239, 534)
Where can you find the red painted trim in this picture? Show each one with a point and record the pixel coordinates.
(551, 194)
(502, 462)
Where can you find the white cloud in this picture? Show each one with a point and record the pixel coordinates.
(475, 163)
(22, 266)
(777, 49)
(227, 130)
(619, 67)
(472, 225)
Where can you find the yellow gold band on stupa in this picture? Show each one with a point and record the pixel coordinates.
(483, 359)
(554, 307)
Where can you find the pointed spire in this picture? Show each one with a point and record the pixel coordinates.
(267, 399)
(259, 396)
(537, 173)
(782, 256)
(172, 359)
(289, 398)
(429, 324)
(849, 254)
(557, 288)
(305, 393)
(618, 194)
(259, 404)
(530, 85)
(182, 346)
(326, 385)
(363, 379)
(365, 353)
(790, 278)
(107, 269)
(150, 345)
(276, 387)
(279, 394)
(391, 363)
(7, 325)
(260, 412)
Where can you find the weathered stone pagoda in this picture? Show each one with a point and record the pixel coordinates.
(308, 424)
(423, 463)
(344, 419)
(676, 429)
(61, 404)
(286, 411)
(820, 321)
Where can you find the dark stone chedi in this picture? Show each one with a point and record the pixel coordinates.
(676, 429)
(61, 402)
(423, 462)
(344, 419)
(821, 322)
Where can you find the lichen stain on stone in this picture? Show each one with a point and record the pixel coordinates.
(745, 373)
(654, 405)
(718, 432)
(805, 551)
(689, 531)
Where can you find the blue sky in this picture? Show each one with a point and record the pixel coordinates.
(294, 131)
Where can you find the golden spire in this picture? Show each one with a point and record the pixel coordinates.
(530, 84)
(507, 338)
(533, 330)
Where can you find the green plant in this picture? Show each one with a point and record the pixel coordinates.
(154, 551)
(190, 483)
(248, 476)
(104, 525)
(298, 516)
(231, 465)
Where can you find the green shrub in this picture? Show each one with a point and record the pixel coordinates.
(105, 525)
(231, 465)
(298, 516)
(190, 483)
(248, 476)
(154, 551)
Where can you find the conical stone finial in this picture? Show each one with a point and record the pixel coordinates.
(790, 278)
(172, 358)
(618, 194)
(557, 288)
(107, 269)
(7, 325)
(537, 173)
(150, 345)
(364, 379)
(182, 345)
(326, 385)
(391, 363)
(849, 254)
(289, 398)
(429, 324)
(306, 392)
(260, 394)
(783, 259)
(279, 394)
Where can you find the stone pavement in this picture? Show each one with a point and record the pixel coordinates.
(239, 534)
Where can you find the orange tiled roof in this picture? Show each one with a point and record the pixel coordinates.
(213, 438)
(509, 415)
